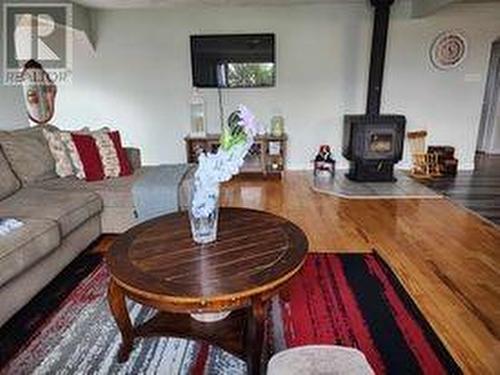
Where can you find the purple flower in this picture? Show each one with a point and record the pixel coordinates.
(248, 121)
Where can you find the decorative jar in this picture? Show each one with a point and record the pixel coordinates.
(198, 125)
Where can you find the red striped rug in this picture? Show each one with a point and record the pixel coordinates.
(345, 299)
(355, 300)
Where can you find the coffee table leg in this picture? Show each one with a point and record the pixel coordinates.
(255, 335)
(116, 300)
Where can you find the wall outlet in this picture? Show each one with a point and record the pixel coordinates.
(472, 77)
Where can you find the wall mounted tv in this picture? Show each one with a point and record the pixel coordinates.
(231, 61)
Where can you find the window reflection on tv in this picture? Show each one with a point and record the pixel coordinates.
(247, 74)
(233, 61)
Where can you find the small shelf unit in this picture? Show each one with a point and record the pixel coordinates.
(267, 157)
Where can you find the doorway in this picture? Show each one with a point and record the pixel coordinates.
(488, 141)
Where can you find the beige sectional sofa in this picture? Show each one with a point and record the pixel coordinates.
(62, 216)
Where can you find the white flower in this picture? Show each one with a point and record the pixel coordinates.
(214, 168)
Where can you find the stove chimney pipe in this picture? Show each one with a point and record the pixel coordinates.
(377, 59)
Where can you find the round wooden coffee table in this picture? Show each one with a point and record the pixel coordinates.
(157, 264)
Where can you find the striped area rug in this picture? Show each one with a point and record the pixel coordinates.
(345, 299)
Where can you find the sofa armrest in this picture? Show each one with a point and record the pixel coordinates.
(134, 157)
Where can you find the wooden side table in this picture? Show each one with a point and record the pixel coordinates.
(157, 264)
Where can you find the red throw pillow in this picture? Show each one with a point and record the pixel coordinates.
(89, 155)
(125, 168)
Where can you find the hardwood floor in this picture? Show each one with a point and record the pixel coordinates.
(478, 190)
(447, 258)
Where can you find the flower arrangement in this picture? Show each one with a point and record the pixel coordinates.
(213, 168)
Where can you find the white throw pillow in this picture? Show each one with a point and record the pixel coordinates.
(64, 166)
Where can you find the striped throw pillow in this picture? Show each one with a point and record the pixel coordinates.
(89, 155)
(73, 154)
(108, 154)
(101, 155)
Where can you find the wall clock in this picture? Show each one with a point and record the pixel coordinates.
(449, 50)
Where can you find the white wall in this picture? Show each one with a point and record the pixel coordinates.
(446, 103)
(12, 112)
(139, 78)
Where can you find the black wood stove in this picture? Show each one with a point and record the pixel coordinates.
(372, 142)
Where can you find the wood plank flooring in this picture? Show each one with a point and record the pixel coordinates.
(447, 258)
(477, 190)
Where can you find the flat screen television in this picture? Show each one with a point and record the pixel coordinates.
(231, 61)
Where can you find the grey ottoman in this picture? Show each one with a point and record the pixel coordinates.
(319, 360)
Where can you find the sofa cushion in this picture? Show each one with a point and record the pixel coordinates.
(9, 183)
(28, 154)
(107, 153)
(74, 157)
(88, 153)
(64, 166)
(69, 209)
(25, 246)
(121, 153)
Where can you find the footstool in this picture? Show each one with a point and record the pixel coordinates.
(319, 360)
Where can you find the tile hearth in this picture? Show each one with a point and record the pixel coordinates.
(404, 188)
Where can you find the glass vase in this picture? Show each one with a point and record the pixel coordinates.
(204, 212)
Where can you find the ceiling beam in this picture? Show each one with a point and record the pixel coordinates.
(84, 21)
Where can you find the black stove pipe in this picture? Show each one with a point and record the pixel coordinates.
(377, 59)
